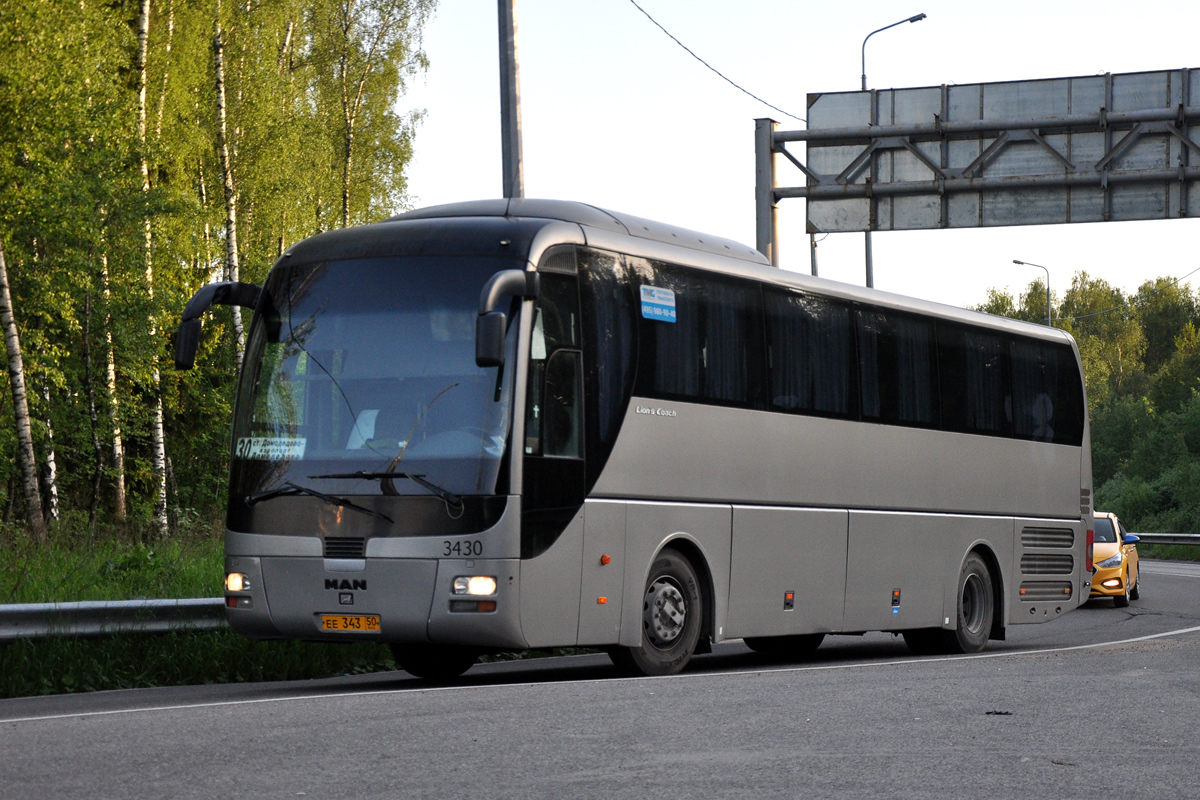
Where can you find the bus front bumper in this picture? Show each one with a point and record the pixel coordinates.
(388, 600)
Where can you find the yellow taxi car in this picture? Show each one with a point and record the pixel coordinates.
(1116, 559)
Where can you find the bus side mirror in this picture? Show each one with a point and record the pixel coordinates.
(491, 325)
(225, 293)
(489, 339)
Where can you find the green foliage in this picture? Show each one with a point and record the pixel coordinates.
(75, 215)
(113, 563)
(1141, 363)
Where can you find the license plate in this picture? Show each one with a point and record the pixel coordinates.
(350, 623)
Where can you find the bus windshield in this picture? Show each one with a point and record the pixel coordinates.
(368, 365)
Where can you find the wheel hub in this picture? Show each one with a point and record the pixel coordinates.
(664, 613)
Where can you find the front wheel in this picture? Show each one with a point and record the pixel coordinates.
(1122, 600)
(1136, 591)
(672, 612)
(433, 661)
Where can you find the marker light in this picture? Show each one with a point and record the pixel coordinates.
(237, 582)
(1091, 540)
(476, 584)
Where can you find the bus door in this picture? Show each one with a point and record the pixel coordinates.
(554, 478)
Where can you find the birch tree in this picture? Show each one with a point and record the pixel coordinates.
(16, 378)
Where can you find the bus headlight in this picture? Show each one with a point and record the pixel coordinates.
(475, 585)
(1110, 562)
(237, 582)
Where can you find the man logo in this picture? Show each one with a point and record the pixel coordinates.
(355, 585)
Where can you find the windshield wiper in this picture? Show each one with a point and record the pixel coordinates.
(416, 477)
(289, 488)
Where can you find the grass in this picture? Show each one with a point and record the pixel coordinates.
(132, 562)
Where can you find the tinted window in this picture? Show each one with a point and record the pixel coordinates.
(1104, 530)
(897, 368)
(1047, 398)
(810, 346)
(700, 339)
(609, 344)
(973, 375)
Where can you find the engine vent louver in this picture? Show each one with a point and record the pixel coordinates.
(1047, 537)
(1047, 564)
(345, 548)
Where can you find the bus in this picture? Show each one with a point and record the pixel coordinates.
(526, 424)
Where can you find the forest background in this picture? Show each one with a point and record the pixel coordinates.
(147, 149)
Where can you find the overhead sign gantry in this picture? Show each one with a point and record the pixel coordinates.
(1083, 149)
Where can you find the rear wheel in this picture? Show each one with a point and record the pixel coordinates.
(976, 612)
(976, 607)
(433, 661)
(786, 647)
(672, 611)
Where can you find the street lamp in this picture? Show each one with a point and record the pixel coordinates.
(917, 18)
(1039, 266)
(869, 255)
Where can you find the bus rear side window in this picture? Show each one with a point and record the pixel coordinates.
(1047, 398)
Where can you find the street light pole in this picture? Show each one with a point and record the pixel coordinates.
(510, 103)
(917, 18)
(870, 257)
(1027, 264)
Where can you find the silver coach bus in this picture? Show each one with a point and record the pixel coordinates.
(519, 424)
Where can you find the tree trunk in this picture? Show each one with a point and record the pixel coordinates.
(16, 374)
(158, 443)
(51, 462)
(90, 381)
(231, 249)
(114, 409)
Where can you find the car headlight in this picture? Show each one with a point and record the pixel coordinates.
(1112, 561)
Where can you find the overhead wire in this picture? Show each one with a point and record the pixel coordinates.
(711, 67)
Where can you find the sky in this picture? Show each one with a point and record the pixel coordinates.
(616, 114)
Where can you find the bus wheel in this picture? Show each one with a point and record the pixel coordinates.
(976, 608)
(432, 661)
(672, 612)
(787, 647)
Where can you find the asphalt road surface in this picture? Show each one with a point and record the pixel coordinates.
(1104, 702)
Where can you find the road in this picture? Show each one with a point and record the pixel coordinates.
(1104, 701)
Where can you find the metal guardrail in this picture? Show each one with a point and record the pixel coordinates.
(1169, 538)
(104, 618)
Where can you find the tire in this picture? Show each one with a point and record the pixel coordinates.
(976, 612)
(672, 613)
(1136, 591)
(785, 647)
(432, 661)
(1122, 600)
(976, 607)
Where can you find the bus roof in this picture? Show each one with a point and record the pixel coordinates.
(591, 217)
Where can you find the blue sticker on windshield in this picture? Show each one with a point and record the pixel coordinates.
(658, 304)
